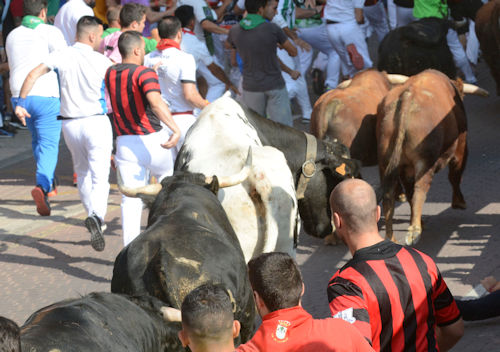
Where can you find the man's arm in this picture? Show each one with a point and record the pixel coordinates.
(219, 73)
(290, 48)
(28, 84)
(448, 335)
(193, 96)
(221, 10)
(358, 14)
(211, 27)
(162, 111)
(294, 74)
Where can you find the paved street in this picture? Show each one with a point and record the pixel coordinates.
(44, 260)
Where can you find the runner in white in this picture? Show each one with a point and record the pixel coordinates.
(86, 127)
(177, 76)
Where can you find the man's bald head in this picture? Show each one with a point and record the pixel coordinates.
(355, 202)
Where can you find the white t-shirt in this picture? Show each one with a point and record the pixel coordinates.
(67, 17)
(26, 49)
(192, 45)
(81, 73)
(342, 10)
(177, 68)
(202, 11)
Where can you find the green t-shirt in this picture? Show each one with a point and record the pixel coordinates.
(108, 31)
(430, 8)
(150, 44)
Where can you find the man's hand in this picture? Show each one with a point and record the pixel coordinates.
(22, 114)
(294, 74)
(302, 44)
(172, 141)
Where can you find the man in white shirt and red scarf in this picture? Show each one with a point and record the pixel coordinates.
(177, 76)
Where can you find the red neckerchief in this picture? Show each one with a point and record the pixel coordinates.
(187, 31)
(167, 43)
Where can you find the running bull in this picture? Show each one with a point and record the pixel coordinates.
(101, 322)
(488, 34)
(421, 128)
(188, 242)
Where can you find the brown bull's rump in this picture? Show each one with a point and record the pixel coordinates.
(488, 34)
(349, 114)
(421, 128)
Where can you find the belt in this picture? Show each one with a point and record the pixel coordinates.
(331, 22)
(190, 112)
(64, 118)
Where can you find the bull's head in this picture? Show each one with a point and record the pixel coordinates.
(333, 168)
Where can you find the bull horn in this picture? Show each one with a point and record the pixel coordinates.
(472, 89)
(152, 190)
(397, 79)
(233, 180)
(344, 84)
(171, 314)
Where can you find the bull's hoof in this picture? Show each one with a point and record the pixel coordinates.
(330, 240)
(402, 198)
(459, 204)
(413, 235)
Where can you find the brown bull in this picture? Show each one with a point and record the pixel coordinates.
(348, 113)
(488, 34)
(421, 128)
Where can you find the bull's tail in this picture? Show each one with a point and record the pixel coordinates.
(393, 156)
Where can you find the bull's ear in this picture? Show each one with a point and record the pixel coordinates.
(345, 167)
(214, 185)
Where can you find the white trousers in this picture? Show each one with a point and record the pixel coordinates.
(90, 141)
(138, 157)
(472, 49)
(345, 33)
(459, 56)
(404, 15)
(184, 122)
(317, 37)
(377, 18)
(296, 88)
(391, 13)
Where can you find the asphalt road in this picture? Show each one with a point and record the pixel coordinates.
(44, 260)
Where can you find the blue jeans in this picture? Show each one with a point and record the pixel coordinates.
(45, 134)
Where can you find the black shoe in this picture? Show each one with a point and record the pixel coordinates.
(95, 227)
(41, 201)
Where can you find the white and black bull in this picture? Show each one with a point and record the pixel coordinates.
(263, 209)
(101, 322)
(188, 242)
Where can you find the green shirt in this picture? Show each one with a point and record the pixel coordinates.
(150, 44)
(109, 30)
(430, 8)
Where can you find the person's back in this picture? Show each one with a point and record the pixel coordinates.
(394, 295)
(28, 46)
(68, 15)
(257, 48)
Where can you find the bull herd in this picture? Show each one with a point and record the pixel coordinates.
(243, 185)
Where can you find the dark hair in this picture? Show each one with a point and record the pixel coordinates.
(87, 23)
(131, 12)
(277, 279)
(253, 6)
(168, 27)
(185, 14)
(113, 14)
(33, 7)
(207, 313)
(128, 41)
(10, 339)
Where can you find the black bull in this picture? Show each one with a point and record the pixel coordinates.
(313, 208)
(189, 241)
(100, 322)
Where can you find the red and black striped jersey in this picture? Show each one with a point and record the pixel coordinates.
(394, 295)
(128, 85)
